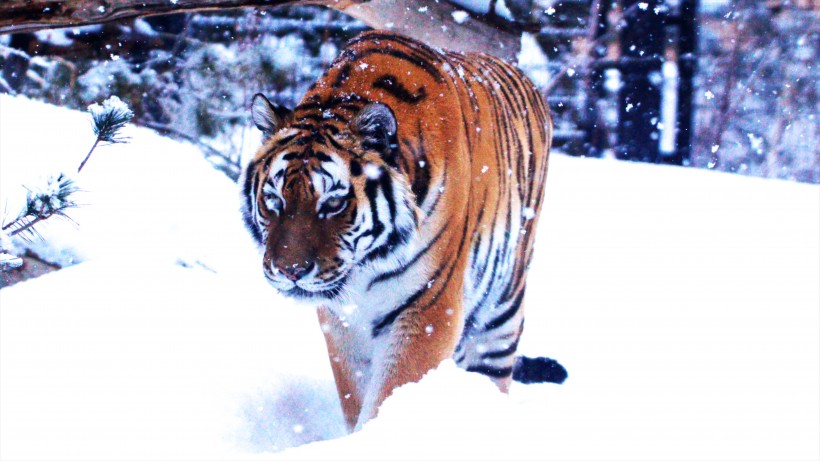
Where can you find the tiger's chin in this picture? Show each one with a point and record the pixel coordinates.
(332, 293)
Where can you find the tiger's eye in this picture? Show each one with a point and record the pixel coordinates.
(273, 203)
(332, 206)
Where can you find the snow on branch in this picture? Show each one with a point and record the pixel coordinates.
(53, 196)
(108, 121)
(431, 22)
(50, 198)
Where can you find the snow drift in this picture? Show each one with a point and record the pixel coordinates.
(684, 304)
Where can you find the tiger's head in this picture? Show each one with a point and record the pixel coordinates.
(324, 195)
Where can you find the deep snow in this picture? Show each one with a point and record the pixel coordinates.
(684, 303)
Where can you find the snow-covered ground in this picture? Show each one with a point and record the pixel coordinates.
(684, 303)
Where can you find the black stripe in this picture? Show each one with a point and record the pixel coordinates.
(304, 126)
(443, 184)
(378, 38)
(387, 190)
(323, 156)
(371, 188)
(423, 64)
(321, 170)
(421, 175)
(333, 130)
(477, 237)
(392, 85)
(397, 272)
(286, 140)
(305, 140)
(333, 142)
(382, 324)
(500, 354)
(342, 76)
(355, 168)
(450, 265)
(322, 117)
(491, 371)
(249, 191)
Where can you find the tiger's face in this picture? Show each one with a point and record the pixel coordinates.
(323, 199)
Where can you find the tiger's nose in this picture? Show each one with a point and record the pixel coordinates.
(294, 272)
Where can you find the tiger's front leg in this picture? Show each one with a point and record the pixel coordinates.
(418, 341)
(340, 345)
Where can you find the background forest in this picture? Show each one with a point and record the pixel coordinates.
(191, 76)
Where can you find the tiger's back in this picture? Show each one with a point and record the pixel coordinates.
(446, 204)
(493, 131)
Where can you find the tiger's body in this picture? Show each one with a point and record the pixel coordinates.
(402, 196)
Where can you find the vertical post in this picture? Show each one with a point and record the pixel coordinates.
(595, 135)
(687, 65)
(640, 96)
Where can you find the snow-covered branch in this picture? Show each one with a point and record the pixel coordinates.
(109, 118)
(43, 201)
(432, 22)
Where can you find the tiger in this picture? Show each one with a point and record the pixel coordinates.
(401, 197)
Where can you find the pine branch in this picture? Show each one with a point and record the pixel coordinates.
(52, 199)
(108, 120)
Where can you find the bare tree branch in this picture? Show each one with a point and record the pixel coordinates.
(431, 22)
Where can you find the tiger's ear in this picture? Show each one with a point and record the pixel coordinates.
(377, 124)
(268, 117)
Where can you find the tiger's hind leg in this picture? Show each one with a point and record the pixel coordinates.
(490, 340)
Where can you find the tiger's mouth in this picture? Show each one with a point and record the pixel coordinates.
(328, 294)
(308, 291)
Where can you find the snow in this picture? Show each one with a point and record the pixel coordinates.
(372, 171)
(484, 6)
(57, 37)
(460, 16)
(684, 304)
(669, 106)
(9, 261)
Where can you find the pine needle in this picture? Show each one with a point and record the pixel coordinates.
(108, 119)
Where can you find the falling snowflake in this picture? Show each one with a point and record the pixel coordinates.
(755, 141)
(460, 17)
(372, 171)
(528, 213)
